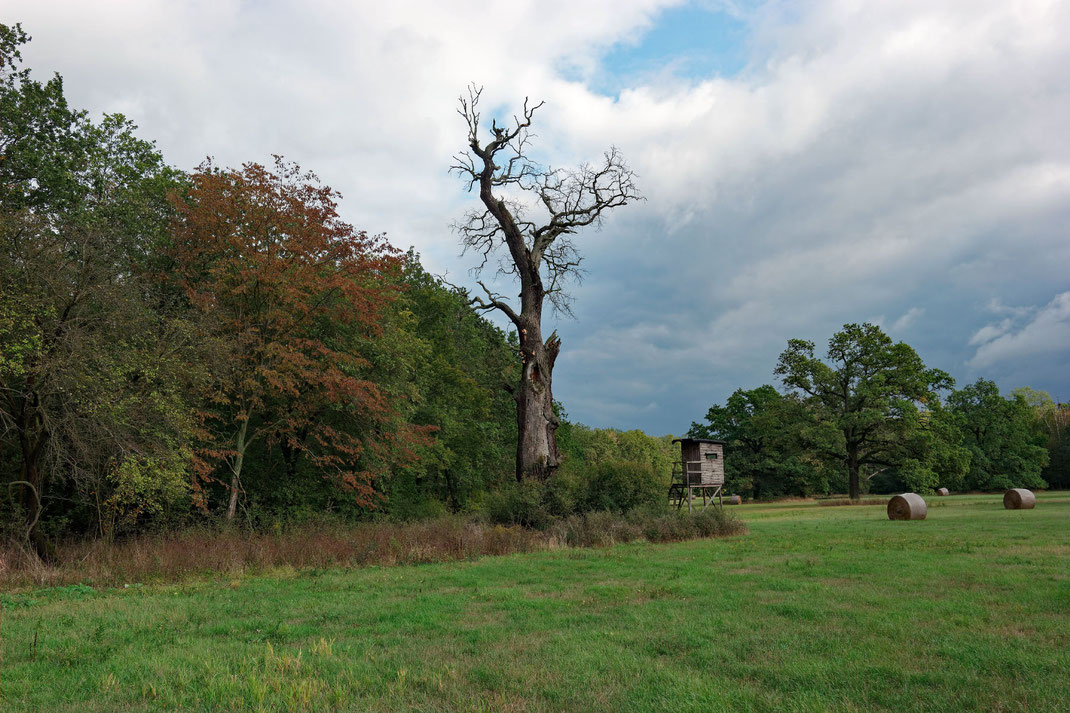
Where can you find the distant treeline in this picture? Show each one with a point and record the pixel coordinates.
(874, 415)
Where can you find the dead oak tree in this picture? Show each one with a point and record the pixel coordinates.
(532, 212)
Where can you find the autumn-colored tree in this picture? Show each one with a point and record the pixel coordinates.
(282, 287)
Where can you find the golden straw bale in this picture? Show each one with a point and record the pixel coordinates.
(908, 506)
(1019, 499)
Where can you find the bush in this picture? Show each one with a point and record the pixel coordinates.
(402, 510)
(519, 504)
(612, 486)
(620, 486)
(564, 493)
(601, 529)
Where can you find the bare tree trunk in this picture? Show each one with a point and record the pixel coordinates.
(30, 451)
(31, 504)
(852, 470)
(537, 455)
(235, 480)
(571, 200)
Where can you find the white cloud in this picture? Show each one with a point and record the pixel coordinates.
(991, 331)
(1047, 334)
(907, 319)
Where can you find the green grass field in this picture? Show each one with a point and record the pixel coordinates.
(816, 609)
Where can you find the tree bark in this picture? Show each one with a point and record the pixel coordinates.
(853, 470)
(30, 451)
(235, 480)
(31, 504)
(537, 455)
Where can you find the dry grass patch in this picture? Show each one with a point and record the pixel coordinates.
(236, 553)
(847, 501)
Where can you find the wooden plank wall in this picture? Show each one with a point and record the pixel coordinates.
(711, 469)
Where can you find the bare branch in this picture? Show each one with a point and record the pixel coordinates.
(493, 301)
(539, 252)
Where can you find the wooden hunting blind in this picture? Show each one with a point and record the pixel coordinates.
(700, 470)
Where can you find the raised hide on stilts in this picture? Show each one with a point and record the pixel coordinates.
(1019, 499)
(908, 506)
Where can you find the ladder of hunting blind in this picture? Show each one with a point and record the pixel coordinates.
(687, 481)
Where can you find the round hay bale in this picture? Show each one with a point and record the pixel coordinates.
(908, 506)
(1019, 499)
(734, 500)
(942, 491)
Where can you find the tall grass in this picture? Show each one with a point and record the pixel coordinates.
(204, 552)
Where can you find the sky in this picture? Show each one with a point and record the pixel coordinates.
(804, 164)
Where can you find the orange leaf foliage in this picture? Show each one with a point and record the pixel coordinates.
(284, 288)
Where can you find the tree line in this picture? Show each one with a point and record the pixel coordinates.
(870, 417)
(217, 342)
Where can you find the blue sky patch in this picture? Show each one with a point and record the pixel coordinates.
(691, 42)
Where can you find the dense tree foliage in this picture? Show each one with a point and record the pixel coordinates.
(464, 364)
(89, 360)
(1007, 448)
(873, 419)
(765, 455)
(865, 402)
(1052, 421)
(282, 290)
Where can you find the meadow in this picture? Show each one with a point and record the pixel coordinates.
(814, 609)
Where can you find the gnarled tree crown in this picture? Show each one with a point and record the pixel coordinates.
(531, 210)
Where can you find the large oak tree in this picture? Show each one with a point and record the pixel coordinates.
(866, 396)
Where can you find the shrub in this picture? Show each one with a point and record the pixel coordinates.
(519, 504)
(600, 529)
(143, 487)
(564, 492)
(403, 510)
(620, 486)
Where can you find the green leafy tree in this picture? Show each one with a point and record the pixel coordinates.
(462, 364)
(609, 469)
(88, 367)
(1053, 420)
(864, 401)
(1057, 474)
(1006, 443)
(764, 453)
(934, 455)
(43, 142)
